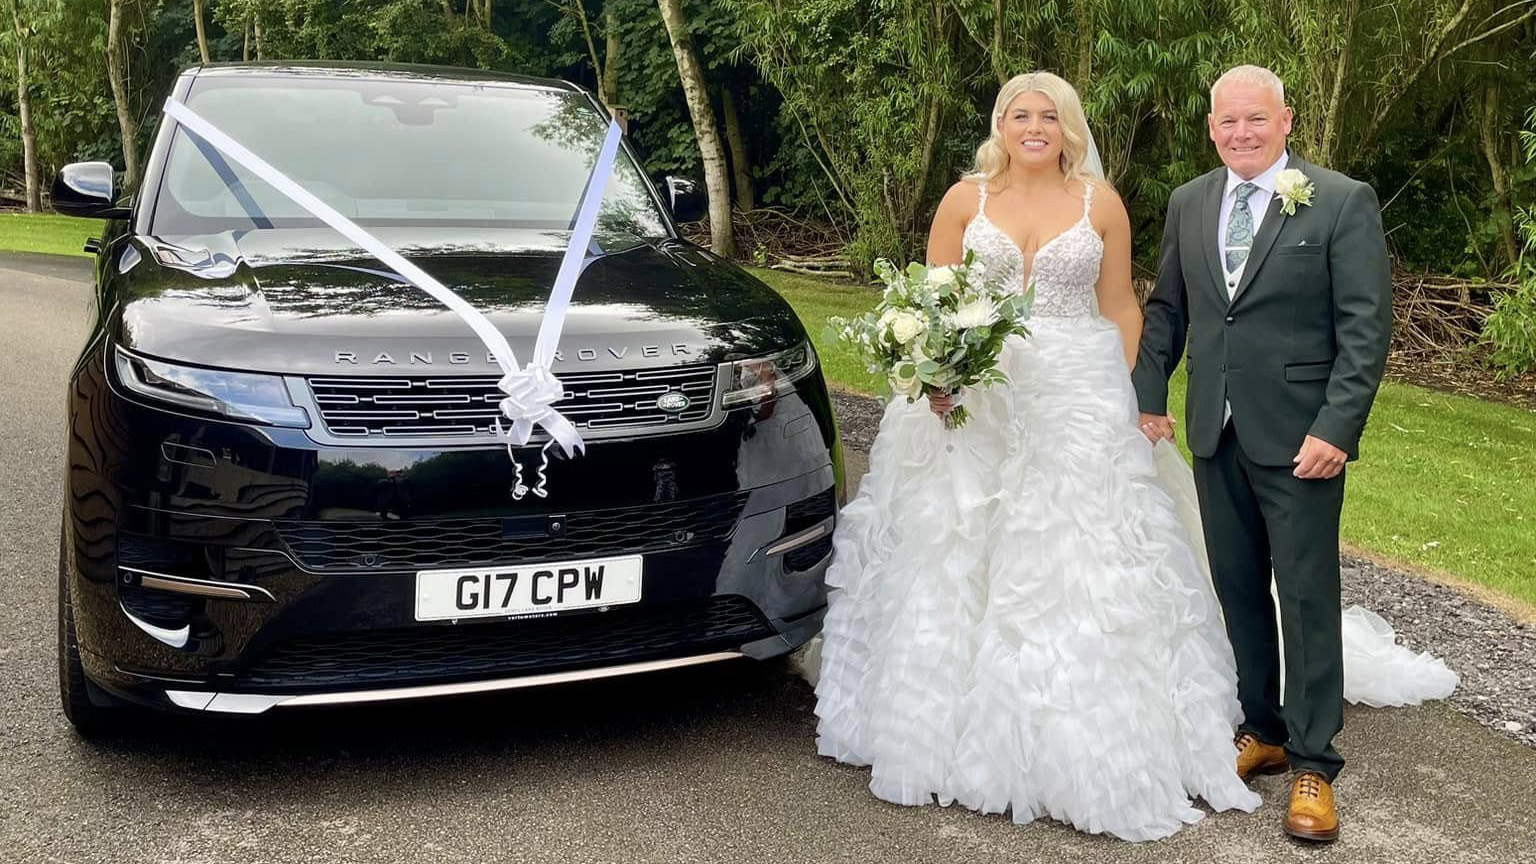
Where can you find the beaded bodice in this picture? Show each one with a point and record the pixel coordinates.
(1064, 270)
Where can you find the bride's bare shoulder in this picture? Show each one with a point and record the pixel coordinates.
(1108, 208)
(1103, 190)
(964, 194)
(959, 204)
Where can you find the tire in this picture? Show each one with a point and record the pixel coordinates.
(92, 712)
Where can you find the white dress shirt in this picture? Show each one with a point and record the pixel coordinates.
(1258, 204)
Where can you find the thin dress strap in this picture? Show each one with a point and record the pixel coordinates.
(981, 208)
(1087, 198)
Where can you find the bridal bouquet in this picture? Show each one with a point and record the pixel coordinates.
(936, 329)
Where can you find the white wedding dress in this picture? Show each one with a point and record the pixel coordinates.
(1021, 620)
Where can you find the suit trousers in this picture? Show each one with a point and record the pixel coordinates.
(1263, 523)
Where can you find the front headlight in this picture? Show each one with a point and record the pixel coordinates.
(762, 378)
(236, 395)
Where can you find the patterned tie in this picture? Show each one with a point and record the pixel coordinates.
(1240, 228)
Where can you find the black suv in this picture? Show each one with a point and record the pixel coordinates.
(284, 487)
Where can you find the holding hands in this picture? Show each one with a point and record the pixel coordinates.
(1157, 427)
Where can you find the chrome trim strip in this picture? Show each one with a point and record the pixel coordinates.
(201, 587)
(795, 541)
(258, 703)
(189, 699)
(164, 584)
(173, 638)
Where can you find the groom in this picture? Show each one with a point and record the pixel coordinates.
(1275, 272)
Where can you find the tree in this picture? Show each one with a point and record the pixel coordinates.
(741, 162)
(22, 35)
(202, 35)
(722, 239)
(117, 72)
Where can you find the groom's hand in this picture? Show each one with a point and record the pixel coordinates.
(1318, 460)
(1157, 426)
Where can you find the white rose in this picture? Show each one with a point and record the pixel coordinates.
(906, 326)
(904, 385)
(1287, 182)
(944, 275)
(975, 313)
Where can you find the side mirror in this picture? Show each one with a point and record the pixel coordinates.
(86, 189)
(684, 199)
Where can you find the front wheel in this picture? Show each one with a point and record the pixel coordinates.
(93, 713)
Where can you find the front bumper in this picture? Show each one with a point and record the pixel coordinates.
(222, 567)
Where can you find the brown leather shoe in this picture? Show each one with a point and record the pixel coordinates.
(1312, 815)
(1256, 757)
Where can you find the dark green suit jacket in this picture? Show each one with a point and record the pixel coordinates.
(1301, 348)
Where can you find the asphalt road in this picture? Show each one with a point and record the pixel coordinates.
(712, 764)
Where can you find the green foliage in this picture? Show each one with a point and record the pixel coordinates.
(1511, 329)
(859, 113)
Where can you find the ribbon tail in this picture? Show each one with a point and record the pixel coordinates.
(564, 434)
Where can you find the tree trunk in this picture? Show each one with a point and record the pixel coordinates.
(928, 144)
(1503, 211)
(999, 67)
(722, 239)
(24, 106)
(741, 166)
(245, 52)
(117, 71)
(1084, 13)
(202, 34)
(1341, 69)
(256, 31)
(586, 32)
(612, 49)
(924, 162)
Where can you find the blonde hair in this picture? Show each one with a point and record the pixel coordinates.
(992, 156)
(1255, 75)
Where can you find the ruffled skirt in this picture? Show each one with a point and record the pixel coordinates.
(1020, 621)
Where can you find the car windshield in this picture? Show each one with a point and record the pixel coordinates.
(399, 154)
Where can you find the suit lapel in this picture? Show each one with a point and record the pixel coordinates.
(1210, 218)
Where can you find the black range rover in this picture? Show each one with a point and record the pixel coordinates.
(283, 485)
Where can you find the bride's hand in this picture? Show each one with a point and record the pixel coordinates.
(941, 405)
(1157, 427)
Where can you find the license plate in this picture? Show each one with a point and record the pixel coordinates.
(527, 590)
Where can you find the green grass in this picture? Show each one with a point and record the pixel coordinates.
(1444, 482)
(816, 300)
(59, 235)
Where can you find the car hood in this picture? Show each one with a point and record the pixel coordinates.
(300, 302)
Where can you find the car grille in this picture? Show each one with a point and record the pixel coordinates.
(801, 515)
(808, 511)
(806, 557)
(339, 545)
(423, 407)
(510, 648)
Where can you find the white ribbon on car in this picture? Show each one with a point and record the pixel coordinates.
(531, 391)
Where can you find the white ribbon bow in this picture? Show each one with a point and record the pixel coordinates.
(531, 392)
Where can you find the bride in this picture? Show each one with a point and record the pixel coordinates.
(1022, 620)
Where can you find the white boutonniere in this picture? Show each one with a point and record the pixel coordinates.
(1294, 188)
